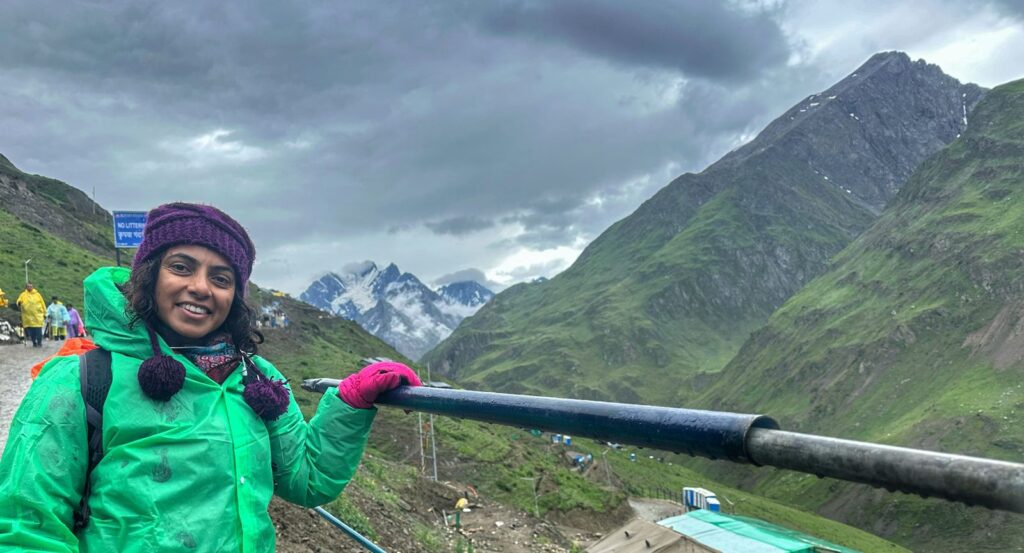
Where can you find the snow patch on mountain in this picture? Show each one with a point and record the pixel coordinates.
(395, 306)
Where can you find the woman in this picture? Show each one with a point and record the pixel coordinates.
(33, 313)
(198, 431)
(74, 323)
(57, 314)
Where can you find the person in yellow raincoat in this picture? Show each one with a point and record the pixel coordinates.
(3, 298)
(33, 312)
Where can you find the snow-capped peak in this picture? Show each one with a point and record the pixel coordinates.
(395, 306)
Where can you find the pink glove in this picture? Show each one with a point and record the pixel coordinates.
(361, 389)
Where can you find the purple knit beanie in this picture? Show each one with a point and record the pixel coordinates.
(201, 225)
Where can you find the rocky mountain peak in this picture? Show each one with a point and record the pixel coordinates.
(4, 162)
(869, 131)
(469, 293)
(394, 306)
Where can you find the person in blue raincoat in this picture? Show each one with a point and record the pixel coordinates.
(57, 316)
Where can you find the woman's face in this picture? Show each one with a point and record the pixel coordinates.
(194, 290)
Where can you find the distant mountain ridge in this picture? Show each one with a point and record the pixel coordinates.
(395, 306)
(671, 292)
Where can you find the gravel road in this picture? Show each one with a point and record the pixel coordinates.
(654, 510)
(15, 362)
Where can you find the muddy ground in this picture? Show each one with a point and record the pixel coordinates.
(15, 361)
(490, 527)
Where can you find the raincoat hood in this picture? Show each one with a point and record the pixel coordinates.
(108, 320)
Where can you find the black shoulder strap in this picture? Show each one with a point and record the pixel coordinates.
(94, 370)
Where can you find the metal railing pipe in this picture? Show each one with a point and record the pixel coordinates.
(711, 434)
(737, 437)
(971, 480)
(363, 541)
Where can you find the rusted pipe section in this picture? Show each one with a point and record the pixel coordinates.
(737, 437)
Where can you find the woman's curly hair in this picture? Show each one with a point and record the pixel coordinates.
(140, 291)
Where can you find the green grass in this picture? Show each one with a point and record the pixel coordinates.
(57, 268)
(345, 510)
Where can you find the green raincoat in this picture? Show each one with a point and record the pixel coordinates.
(195, 473)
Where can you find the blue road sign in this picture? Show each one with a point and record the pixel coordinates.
(128, 226)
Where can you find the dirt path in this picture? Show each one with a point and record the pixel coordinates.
(654, 509)
(15, 361)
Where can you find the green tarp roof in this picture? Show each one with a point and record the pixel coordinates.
(728, 533)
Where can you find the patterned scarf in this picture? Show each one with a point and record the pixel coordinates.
(218, 359)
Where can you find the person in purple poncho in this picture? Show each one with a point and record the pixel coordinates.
(74, 324)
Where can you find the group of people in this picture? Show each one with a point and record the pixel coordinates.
(273, 317)
(60, 321)
(196, 431)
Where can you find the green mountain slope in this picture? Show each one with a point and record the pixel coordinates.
(56, 226)
(914, 336)
(671, 292)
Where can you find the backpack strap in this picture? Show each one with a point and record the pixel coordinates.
(95, 375)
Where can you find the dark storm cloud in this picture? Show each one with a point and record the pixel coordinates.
(407, 109)
(1013, 7)
(459, 226)
(335, 123)
(703, 38)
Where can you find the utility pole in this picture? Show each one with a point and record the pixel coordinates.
(27, 261)
(426, 432)
(433, 442)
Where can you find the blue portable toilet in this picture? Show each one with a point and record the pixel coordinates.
(632, 457)
(556, 438)
(688, 496)
(568, 440)
(700, 498)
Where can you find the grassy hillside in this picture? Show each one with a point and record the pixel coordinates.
(57, 266)
(670, 293)
(55, 207)
(681, 312)
(499, 460)
(56, 226)
(913, 337)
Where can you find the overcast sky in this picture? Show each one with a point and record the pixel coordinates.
(466, 139)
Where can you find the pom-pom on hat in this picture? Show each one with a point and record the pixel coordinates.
(202, 225)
